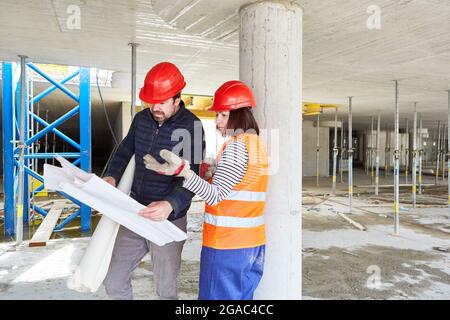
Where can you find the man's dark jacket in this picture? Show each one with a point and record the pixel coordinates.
(182, 131)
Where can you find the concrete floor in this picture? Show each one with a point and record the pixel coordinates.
(42, 272)
(342, 262)
(339, 260)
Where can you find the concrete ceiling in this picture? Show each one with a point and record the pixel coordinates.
(342, 57)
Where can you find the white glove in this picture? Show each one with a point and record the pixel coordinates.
(207, 168)
(174, 165)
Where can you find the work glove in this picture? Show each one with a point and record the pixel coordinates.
(174, 165)
(207, 168)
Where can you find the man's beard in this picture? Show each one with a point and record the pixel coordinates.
(158, 116)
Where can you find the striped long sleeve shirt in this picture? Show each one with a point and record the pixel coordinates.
(231, 169)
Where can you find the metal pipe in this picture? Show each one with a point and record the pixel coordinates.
(396, 164)
(443, 152)
(56, 123)
(335, 151)
(58, 133)
(371, 152)
(133, 78)
(438, 153)
(420, 153)
(350, 155)
(40, 211)
(367, 155)
(53, 88)
(407, 152)
(38, 147)
(317, 149)
(414, 169)
(21, 191)
(377, 156)
(67, 220)
(54, 148)
(386, 152)
(68, 155)
(448, 150)
(46, 135)
(9, 135)
(366, 158)
(54, 82)
(41, 178)
(40, 188)
(85, 138)
(342, 151)
(400, 154)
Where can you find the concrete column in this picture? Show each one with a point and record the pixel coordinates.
(270, 62)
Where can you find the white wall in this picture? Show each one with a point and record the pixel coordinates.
(402, 144)
(214, 141)
(309, 150)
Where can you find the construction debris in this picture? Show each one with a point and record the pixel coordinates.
(352, 222)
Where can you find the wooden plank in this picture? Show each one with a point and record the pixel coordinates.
(352, 222)
(43, 233)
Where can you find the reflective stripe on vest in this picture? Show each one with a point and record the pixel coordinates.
(233, 222)
(246, 196)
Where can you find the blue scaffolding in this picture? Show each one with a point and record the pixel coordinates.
(10, 116)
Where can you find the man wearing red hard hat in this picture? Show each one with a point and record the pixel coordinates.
(162, 124)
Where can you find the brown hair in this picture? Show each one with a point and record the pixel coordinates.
(177, 96)
(242, 119)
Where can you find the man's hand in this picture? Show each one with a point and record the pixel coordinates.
(157, 210)
(110, 180)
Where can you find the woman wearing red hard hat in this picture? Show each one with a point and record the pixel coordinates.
(164, 197)
(232, 257)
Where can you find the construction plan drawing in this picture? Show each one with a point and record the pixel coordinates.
(110, 201)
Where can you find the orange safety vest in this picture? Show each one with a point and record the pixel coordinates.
(238, 220)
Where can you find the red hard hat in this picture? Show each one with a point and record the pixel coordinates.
(232, 95)
(162, 82)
